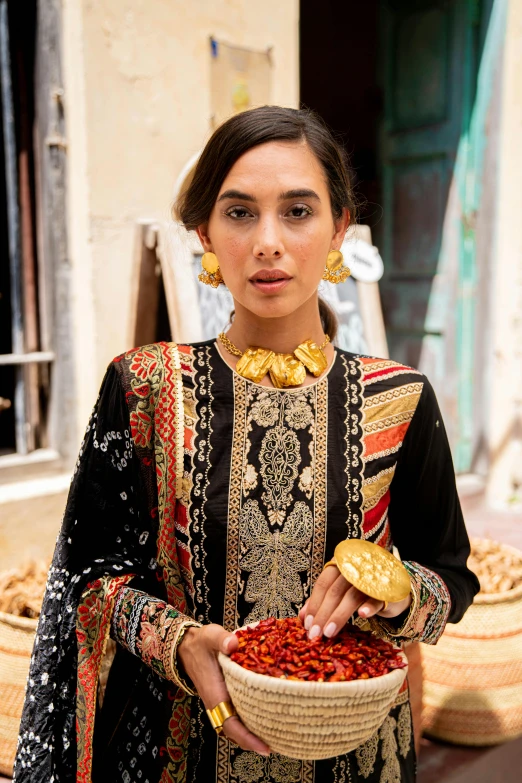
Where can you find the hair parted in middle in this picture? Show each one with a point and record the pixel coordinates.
(250, 129)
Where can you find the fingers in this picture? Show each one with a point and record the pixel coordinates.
(394, 609)
(211, 687)
(220, 640)
(339, 604)
(370, 607)
(238, 733)
(327, 578)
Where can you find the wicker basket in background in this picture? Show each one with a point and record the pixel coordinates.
(473, 676)
(16, 646)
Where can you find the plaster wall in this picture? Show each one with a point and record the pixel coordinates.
(138, 105)
(505, 403)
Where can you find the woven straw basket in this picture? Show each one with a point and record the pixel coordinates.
(310, 720)
(473, 676)
(16, 646)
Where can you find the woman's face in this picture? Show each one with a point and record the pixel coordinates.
(272, 228)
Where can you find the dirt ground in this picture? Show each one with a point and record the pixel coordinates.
(28, 529)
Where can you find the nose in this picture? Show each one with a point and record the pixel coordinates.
(268, 242)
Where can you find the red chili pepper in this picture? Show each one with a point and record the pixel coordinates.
(281, 648)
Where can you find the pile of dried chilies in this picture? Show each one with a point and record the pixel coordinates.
(281, 648)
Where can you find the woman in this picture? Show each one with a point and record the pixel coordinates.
(288, 449)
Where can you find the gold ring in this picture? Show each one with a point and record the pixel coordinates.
(329, 563)
(384, 606)
(220, 714)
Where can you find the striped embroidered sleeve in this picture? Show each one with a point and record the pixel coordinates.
(428, 529)
(427, 616)
(151, 629)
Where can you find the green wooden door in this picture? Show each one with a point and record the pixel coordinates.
(427, 236)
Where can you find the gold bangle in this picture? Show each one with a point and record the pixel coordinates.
(219, 714)
(172, 642)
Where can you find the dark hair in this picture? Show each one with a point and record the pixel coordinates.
(258, 126)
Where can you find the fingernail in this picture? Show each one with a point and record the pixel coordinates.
(264, 752)
(330, 629)
(364, 612)
(308, 621)
(226, 644)
(315, 630)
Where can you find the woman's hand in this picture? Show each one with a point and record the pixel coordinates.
(197, 653)
(334, 600)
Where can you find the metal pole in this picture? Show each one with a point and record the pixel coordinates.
(13, 224)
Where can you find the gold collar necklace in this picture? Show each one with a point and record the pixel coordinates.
(286, 369)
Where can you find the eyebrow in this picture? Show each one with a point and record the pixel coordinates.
(289, 194)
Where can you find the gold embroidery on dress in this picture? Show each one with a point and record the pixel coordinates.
(403, 696)
(384, 452)
(381, 364)
(250, 767)
(390, 421)
(192, 481)
(401, 371)
(274, 560)
(299, 414)
(306, 482)
(404, 730)
(280, 452)
(250, 478)
(400, 406)
(265, 411)
(230, 618)
(189, 406)
(319, 464)
(350, 451)
(376, 486)
(391, 771)
(366, 755)
(279, 457)
(393, 394)
(341, 771)
(285, 770)
(378, 526)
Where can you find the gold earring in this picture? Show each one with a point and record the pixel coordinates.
(335, 272)
(212, 273)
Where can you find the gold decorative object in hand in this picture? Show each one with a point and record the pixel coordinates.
(335, 272)
(212, 273)
(219, 715)
(286, 369)
(372, 570)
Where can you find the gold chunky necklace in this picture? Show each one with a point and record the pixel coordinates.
(286, 369)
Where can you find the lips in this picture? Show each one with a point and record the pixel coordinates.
(269, 276)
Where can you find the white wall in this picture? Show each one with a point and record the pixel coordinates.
(137, 98)
(505, 407)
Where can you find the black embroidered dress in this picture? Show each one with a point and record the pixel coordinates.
(273, 480)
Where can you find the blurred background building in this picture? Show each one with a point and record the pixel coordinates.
(106, 102)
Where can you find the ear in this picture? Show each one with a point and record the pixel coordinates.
(341, 227)
(204, 238)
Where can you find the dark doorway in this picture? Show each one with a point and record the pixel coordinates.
(398, 81)
(339, 48)
(22, 402)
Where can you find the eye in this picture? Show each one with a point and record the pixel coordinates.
(238, 213)
(300, 211)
